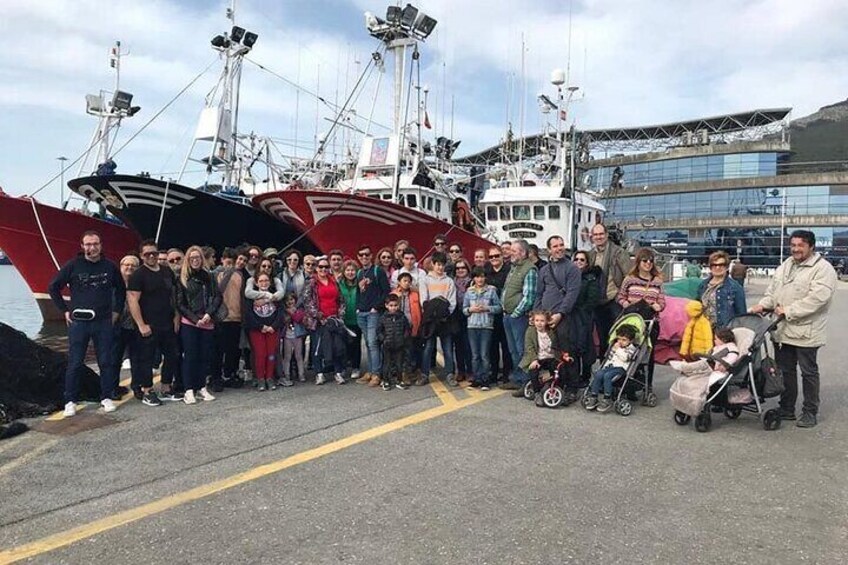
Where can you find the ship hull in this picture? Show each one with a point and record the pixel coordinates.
(335, 220)
(30, 250)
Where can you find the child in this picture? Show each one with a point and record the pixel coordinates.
(436, 284)
(294, 332)
(541, 351)
(393, 332)
(717, 362)
(410, 305)
(262, 320)
(622, 353)
(688, 392)
(480, 304)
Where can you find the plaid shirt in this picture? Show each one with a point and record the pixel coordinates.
(528, 294)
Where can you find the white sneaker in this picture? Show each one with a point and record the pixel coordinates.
(205, 395)
(354, 375)
(340, 379)
(108, 405)
(319, 379)
(189, 397)
(70, 410)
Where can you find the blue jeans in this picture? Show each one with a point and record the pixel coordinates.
(515, 329)
(447, 353)
(604, 377)
(79, 334)
(367, 322)
(462, 350)
(197, 349)
(480, 340)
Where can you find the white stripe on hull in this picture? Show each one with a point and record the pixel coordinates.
(323, 206)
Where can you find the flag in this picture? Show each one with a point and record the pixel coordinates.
(562, 115)
(427, 120)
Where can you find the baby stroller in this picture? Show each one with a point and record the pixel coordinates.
(634, 377)
(553, 392)
(749, 381)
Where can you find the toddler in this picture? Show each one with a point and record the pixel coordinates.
(615, 366)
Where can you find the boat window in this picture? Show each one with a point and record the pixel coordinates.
(589, 216)
(505, 213)
(492, 213)
(429, 202)
(579, 215)
(538, 212)
(553, 212)
(521, 212)
(438, 205)
(411, 201)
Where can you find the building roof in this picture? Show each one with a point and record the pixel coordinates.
(727, 123)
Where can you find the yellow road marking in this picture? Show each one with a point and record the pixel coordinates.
(27, 456)
(442, 392)
(68, 537)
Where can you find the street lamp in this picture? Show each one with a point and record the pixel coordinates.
(62, 160)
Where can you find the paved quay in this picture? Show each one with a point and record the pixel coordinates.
(349, 474)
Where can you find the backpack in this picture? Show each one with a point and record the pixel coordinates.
(771, 378)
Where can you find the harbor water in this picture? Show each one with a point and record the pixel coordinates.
(19, 310)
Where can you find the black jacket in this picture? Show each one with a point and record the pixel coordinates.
(436, 319)
(393, 330)
(96, 286)
(198, 297)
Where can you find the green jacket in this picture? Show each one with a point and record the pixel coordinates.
(514, 286)
(349, 294)
(531, 347)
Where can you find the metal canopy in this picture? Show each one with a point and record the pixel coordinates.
(717, 125)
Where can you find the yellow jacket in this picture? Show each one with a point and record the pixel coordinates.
(698, 335)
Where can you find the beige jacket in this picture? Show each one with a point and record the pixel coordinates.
(232, 296)
(805, 291)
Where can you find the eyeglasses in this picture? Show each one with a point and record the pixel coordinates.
(439, 243)
(308, 263)
(646, 260)
(718, 264)
(151, 254)
(496, 256)
(292, 260)
(579, 260)
(364, 254)
(195, 258)
(323, 266)
(382, 257)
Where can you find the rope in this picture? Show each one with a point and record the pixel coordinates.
(162, 211)
(43, 235)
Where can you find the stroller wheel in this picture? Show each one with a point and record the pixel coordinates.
(771, 420)
(650, 399)
(680, 418)
(584, 398)
(624, 407)
(552, 396)
(703, 422)
(529, 393)
(732, 413)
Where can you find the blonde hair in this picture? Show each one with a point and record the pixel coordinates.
(132, 258)
(185, 271)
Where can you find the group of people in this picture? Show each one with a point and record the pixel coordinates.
(501, 317)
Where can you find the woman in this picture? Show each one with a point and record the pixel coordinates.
(276, 290)
(293, 277)
(198, 300)
(462, 351)
(723, 298)
(400, 247)
(325, 309)
(581, 318)
(348, 287)
(123, 332)
(386, 261)
(263, 319)
(644, 285)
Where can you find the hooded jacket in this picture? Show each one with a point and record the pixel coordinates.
(698, 335)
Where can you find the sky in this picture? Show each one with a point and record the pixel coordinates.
(636, 62)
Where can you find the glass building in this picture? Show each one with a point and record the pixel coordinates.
(737, 195)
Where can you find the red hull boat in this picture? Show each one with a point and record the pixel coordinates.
(338, 220)
(30, 231)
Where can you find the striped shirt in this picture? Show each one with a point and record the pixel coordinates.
(634, 288)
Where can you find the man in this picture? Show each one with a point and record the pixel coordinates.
(738, 271)
(372, 290)
(97, 300)
(519, 294)
(225, 359)
(537, 261)
(163, 258)
(615, 264)
(210, 258)
(801, 291)
(557, 289)
(439, 244)
(336, 258)
(500, 358)
(410, 266)
(228, 258)
(175, 259)
(151, 295)
(506, 252)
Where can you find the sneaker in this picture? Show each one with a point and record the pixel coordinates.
(787, 414)
(172, 396)
(188, 398)
(340, 379)
(261, 386)
(485, 388)
(354, 375)
(205, 395)
(452, 380)
(108, 405)
(475, 384)
(301, 378)
(591, 403)
(319, 379)
(286, 382)
(70, 410)
(365, 379)
(386, 385)
(604, 404)
(807, 420)
(150, 399)
(138, 393)
(272, 384)
(375, 381)
(402, 385)
(422, 381)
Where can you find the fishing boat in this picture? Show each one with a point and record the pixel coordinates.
(4, 259)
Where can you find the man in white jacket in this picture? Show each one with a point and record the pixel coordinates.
(801, 291)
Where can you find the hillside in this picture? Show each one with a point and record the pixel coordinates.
(821, 136)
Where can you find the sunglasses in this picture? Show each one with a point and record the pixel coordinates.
(579, 260)
(496, 256)
(151, 254)
(439, 243)
(385, 257)
(455, 250)
(364, 254)
(308, 264)
(323, 266)
(718, 264)
(646, 260)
